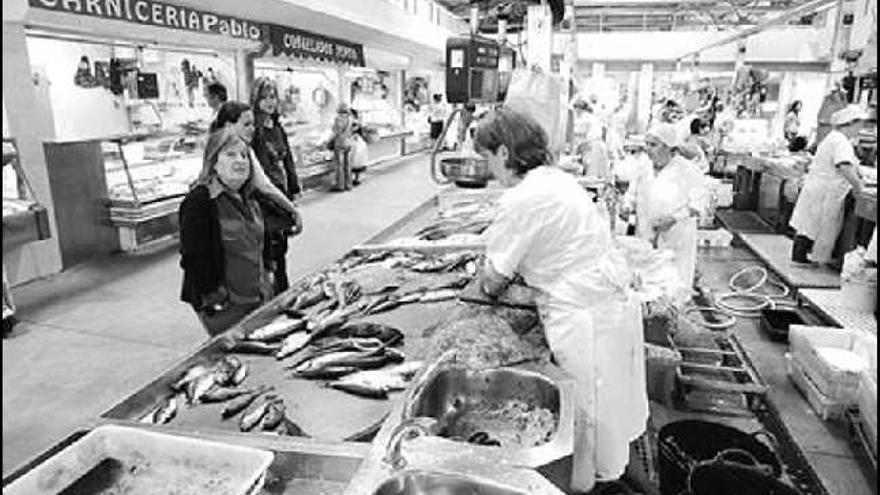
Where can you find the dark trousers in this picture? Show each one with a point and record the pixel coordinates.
(276, 258)
(343, 169)
(801, 248)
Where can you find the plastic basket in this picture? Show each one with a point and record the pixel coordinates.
(824, 407)
(837, 384)
(660, 366)
(154, 463)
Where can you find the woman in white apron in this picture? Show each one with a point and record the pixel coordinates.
(548, 231)
(669, 199)
(818, 213)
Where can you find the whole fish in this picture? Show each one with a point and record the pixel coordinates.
(387, 305)
(377, 257)
(371, 360)
(255, 412)
(412, 296)
(292, 344)
(167, 411)
(225, 369)
(378, 379)
(332, 321)
(241, 402)
(326, 360)
(273, 417)
(326, 372)
(439, 295)
(197, 388)
(311, 296)
(240, 374)
(365, 329)
(190, 375)
(254, 347)
(360, 389)
(277, 329)
(222, 394)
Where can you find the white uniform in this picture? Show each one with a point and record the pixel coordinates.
(675, 189)
(548, 230)
(818, 213)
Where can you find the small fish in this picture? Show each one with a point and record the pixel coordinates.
(189, 375)
(277, 329)
(254, 347)
(439, 295)
(387, 305)
(292, 344)
(328, 359)
(255, 413)
(366, 329)
(360, 389)
(309, 298)
(222, 394)
(196, 388)
(290, 429)
(241, 402)
(412, 296)
(273, 417)
(332, 321)
(377, 379)
(167, 411)
(326, 372)
(240, 374)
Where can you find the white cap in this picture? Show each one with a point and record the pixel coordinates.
(666, 133)
(848, 114)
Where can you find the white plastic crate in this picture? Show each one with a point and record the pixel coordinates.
(162, 463)
(839, 381)
(868, 407)
(825, 408)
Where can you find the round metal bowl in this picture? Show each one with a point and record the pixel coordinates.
(466, 171)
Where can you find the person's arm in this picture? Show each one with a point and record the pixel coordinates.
(267, 188)
(848, 171)
(492, 283)
(293, 186)
(846, 161)
(508, 240)
(198, 251)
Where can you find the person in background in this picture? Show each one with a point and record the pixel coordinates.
(467, 118)
(437, 117)
(273, 152)
(798, 144)
(697, 145)
(239, 117)
(360, 153)
(341, 142)
(548, 231)
(668, 200)
(818, 213)
(215, 96)
(793, 121)
(221, 238)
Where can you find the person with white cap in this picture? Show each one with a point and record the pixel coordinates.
(818, 214)
(669, 199)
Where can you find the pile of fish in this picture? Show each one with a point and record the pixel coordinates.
(222, 382)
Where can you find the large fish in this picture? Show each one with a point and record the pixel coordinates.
(277, 329)
(328, 359)
(254, 347)
(412, 296)
(241, 402)
(366, 329)
(197, 388)
(329, 372)
(292, 344)
(361, 389)
(378, 379)
(252, 416)
(222, 394)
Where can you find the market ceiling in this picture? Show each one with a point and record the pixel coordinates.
(638, 15)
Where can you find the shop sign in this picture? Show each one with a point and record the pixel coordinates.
(297, 43)
(158, 14)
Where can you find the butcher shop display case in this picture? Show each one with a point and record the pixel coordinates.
(25, 220)
(147, 177)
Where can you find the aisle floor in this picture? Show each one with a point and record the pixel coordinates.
(97, 332)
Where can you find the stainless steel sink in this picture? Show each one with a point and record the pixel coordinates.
(448, 392)
(308, 473)
(428, 483)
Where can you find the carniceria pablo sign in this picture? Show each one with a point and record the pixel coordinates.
(297, 43)
(158, 14)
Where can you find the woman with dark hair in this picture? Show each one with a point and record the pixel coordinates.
(548, 231)
(221, 237)
(341, 142)
(276, 158)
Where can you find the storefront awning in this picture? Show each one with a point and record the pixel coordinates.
(303, 44)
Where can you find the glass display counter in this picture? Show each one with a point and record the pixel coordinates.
(24, 219)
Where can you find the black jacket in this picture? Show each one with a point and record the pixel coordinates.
(272, 151)
(201, 247)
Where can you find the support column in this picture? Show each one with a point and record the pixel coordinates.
(244, 64)
(30, 123)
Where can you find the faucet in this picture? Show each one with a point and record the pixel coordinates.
(409, 428)
(422, 380)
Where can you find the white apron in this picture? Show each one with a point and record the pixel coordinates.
(818, 212)
(548, 230)
(677, 187)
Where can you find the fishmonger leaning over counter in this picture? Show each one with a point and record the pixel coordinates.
(548, 231)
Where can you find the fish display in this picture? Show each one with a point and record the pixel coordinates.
(242, 402)
(255, 412)
(254, 347)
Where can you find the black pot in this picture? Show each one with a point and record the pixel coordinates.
(727, 478)
(685, 444)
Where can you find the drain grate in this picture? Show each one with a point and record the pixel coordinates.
(797, 466)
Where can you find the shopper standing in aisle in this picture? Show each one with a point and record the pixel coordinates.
(696, 143)
(437, 117)
(818, 214)
(341, 143)
(222, 238)
(276, 158)
(360, 153)
(668, 200)
(793, 121)
(215, 96)
(548, 231)
(239, 117)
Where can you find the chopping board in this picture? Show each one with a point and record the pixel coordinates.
(517, 296)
